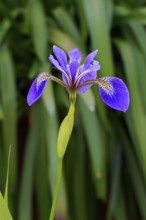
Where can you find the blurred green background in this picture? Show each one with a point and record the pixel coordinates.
(105, 163)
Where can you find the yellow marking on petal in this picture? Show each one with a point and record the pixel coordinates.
(42, 77)
(106, 85)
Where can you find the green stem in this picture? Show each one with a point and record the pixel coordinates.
(57, 188)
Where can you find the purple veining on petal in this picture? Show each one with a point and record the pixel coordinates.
(75, 55)
(114, 93)
(61, 56)
(37, 88)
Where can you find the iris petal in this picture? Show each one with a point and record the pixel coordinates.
(37, 88)
(55, 63)
(75, 55)
(89, 59)
(114, 93)
(61, 56)
(89, 76)
(95, 66)
(73, 69)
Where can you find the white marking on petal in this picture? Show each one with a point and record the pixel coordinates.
(106, 85)
(42, 77)
(79, 77)
(92, 68)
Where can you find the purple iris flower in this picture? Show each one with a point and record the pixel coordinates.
(78, 78)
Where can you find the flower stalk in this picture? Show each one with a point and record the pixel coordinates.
(57, 188)
(64, 134)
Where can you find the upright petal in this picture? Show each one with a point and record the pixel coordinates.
(37, 88)
(61, 56)
(75, 55)
(89, 59)
(114, 93)
(95, 66)
(74, 65)
(90, 76)
(55, 63)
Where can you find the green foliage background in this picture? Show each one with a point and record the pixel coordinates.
(105, 163)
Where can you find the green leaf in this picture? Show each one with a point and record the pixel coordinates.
(79, 182)
(96, 146)
(8, 103)
(42, 189)
(26, 187)
(62, 40)
(136, 178)
(67, 24)
(4, 211)
(83, 25)
(7, 177)
(5, 25)
(38, 29)
(121, 211)
(125, 14)
(136, 107)
(115, 182)
(98, 17)
(1, 113)
(89, 100)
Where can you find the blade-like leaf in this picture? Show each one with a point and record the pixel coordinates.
(62, 40)
(38, 28)
(98, 17)
(4, 211)
(7, 178)
(95, 143)
(26, 188)
(67, 24)
(8, 102)
(136, 107)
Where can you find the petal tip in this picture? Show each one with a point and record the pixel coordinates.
(37, 88)
(29, 102)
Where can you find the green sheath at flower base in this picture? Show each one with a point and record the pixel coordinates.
(65, 131)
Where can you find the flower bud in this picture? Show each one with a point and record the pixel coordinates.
(65, 131)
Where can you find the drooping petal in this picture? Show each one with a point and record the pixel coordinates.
(61, 57)
(37, 88)
(89, 59)
(75, 55)
(74, 65)
(90, 76)
(114, 93)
